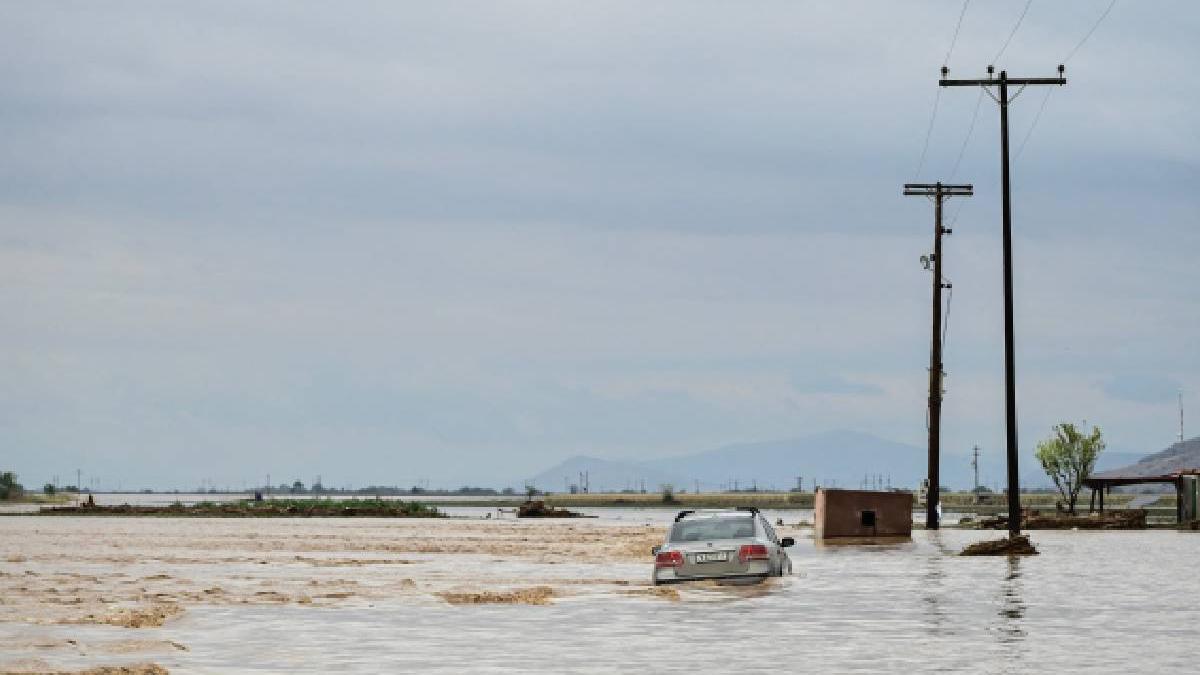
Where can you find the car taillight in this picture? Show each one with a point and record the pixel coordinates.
(752, 552)
(669, 559)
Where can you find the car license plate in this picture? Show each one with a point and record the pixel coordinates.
(715, 556)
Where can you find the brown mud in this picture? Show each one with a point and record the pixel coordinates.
(536, 595)
(43, 668)
(1031, 519)
(1018, 545)
(539, 509)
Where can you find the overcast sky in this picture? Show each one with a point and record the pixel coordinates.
(463, 241)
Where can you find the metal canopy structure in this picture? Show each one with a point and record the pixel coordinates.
(1104, 483)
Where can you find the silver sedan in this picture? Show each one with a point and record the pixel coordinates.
(721, 544)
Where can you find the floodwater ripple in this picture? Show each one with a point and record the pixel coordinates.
(1096, 601)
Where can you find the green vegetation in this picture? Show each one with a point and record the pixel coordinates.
(9, 487)
(271, 508)
(1068, 457)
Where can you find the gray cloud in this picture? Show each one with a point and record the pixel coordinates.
(464, 241)
(1141, 388)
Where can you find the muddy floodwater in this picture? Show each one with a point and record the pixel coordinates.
(475, 595)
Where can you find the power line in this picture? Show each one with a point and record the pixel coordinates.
(1032, 125)
(957, 27)
(928, 133)
(937, 98)
(1046, 99)
(979, 101)
(970, 130)
(1014, 32)
(1092, 30)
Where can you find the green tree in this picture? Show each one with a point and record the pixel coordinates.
(9, 487)
(1068, 457)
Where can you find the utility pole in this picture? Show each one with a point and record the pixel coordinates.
(975, 465)
(1180, 415)
(939, 192)
(1010, 377)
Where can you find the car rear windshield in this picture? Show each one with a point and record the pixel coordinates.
(704, 529)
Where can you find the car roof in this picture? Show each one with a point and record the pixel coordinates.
(740, 512)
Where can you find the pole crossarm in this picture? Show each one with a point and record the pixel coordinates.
(990, 81)
(933, 189)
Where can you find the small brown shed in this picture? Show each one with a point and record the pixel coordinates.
(862, 513)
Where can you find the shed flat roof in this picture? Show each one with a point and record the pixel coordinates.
(1109, 479)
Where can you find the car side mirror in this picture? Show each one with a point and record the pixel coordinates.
(787, 541)
(655, 549)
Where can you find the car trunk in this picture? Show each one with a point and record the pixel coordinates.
(730, 565)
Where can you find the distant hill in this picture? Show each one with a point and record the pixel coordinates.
(839, 458)
(1110, 459)
(834, 458)
(603, 475)
(1182, 455)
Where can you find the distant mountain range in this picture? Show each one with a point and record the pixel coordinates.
(1182, 455)
(835, 458)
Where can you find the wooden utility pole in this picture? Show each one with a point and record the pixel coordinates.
(939, 192)
(1010, 377)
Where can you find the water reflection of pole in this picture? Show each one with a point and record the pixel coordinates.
(1012, 607)
(933, 583)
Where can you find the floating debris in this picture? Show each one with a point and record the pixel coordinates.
(1018, 545)
(535, 595)
(539, 509)
(135, 617)
(664, 592)
(1031, 519)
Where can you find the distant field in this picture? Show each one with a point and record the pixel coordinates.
(965, 501)
(713, 500)
(40, 498)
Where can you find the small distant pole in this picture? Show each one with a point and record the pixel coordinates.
(975, 465)
(697, 480)
(1180, 415)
